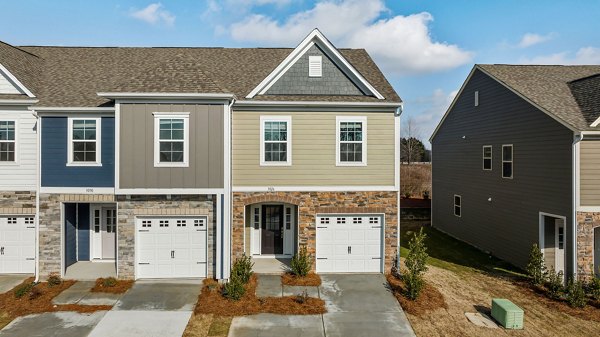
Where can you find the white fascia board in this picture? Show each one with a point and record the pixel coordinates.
(590, 133)
(18, 101)
(82, 110)
(165, 95)
(329, 49)
(319, 104)
(18, 83)
(314, 189)
(595, 123)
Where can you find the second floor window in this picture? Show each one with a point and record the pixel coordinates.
(7, 141)
(275, 141)
(487, 157)
(84, 144)
(351, 141)
(457, 205)
(171, 140)
(507, 161)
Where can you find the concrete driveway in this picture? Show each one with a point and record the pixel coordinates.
(9, 281)
(357, 305)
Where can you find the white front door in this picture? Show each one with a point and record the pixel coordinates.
(171, 247)
(17, 244)
(349, 243)
(104, 229)
(559, 228)
(259, 226)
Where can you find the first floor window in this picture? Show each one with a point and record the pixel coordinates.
(351, 141)
(7, 141)
(487, 157)
(507, 161)
(457, 205)
(276, 140)
(84, 144)
(171, 140)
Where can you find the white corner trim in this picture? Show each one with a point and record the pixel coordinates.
(397, 154)
(117, 143)
(339, 188)
(169, 191)
(98, 142)
(314, 37)
(359, 119)
(289, 144)
(78, 190)
(185, 116)
(18, 83)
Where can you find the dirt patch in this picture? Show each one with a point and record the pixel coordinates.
(430, 298)
(120, 287)
(207, 325)
(211, 301)
(310, 280)
(39, 300)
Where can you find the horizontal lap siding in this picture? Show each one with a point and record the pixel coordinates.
(23, 174)
(507, 225)
(589, 158)
(313, 152)
(137, 148)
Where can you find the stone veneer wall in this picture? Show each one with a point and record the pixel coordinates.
(17, 202)
(137, 205)
(312, 203)
(586, 222)
(50, 226)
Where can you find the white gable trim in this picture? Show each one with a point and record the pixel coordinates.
(595, 123)
(15, 81)
(315, 37)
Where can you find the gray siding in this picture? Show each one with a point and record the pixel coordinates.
(589, 184)
(136, 167)
(296, 81)
(507, 225)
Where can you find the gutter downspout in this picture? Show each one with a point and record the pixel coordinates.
(37, 197)
(576, 139)
(398, 113)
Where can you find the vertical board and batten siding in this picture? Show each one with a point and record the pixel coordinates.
(136, 155)
(21, 175)
(589, 183)
(313, 143)
(507, 225)
(55, 172)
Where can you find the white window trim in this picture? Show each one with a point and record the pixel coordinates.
(511, 161)
(338, 121)
(16, 141)
(455, 205)
(288, 120)
(98, 161)
(186, 138)
(490, 157)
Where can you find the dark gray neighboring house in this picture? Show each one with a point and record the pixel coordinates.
(516, 161)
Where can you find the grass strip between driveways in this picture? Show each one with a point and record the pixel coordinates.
(104, 286)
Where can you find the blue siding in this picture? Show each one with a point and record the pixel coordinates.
(70, 235)
(83, 232)
(55, 173)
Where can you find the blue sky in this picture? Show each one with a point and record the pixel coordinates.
(425, 48)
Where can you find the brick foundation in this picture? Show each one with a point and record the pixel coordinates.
(312, 203)
(586, 222)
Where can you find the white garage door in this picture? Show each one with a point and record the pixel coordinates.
(349, 243)
(170, 247)
(17, 244)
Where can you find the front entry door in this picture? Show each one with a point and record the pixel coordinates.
(272, 229)
(109, 226)
(560, 245)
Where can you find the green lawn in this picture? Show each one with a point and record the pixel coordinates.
(448, 253)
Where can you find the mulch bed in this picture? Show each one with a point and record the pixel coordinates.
(415, 203)
(42, 302)
(590, 312)
(310, 280)
(211, 301)
(121, 287)
(429, 300)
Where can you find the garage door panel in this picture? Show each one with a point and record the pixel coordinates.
(17, 236)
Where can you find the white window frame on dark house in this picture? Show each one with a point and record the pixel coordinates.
(457, 206)
(315, 66)
(339, 142)
(508, 162)
(71, 160)
(264, 158)
(158, 117)
(487, 158)
(6, 141)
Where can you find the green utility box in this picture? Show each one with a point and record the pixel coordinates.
(507, 313)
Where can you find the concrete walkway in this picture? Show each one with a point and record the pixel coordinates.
(80, 293)
(9, 281)
(271, 286)
(53, 324)
(357, 305)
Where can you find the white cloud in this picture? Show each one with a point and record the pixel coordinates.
(427, 111)
(154, 14)
(400, 44)
(586, 55)
(531, 39)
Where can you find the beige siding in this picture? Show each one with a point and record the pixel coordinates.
(313, 151)
(589, 159)
(136, 168)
